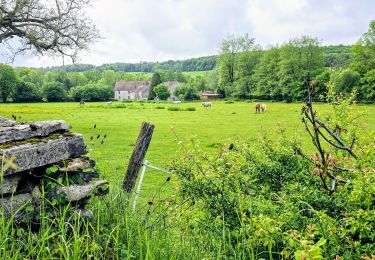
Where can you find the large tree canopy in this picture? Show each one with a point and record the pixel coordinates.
(58, 26)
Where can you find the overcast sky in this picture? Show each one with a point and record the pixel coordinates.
(158, 30)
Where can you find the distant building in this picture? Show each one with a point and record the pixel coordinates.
(172, 85)
(130, 90)
(210, 95)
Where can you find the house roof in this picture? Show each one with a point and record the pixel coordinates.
(172, 85)
(132, 85)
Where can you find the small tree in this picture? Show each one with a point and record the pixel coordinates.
(324, 138)
(162, 91)
(155, 80)
(7, 81)
(54, 91)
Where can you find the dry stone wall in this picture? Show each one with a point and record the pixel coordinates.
(44, 156)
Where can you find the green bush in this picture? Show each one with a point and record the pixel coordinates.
(92, 92)
(162, 91)
(25, 92)
(54, 91)
(174, 109)
(261, 199)
(190, 109)
(159, 107)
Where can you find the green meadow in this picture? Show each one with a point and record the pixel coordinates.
(225, 122)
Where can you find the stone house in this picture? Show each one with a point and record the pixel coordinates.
(130, 90)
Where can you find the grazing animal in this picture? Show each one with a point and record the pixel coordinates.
(257, 108)
(264, 107)
(82, 102)
(109, 103)
(207, 105)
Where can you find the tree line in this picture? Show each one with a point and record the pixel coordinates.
(23, 84)
(244, 70)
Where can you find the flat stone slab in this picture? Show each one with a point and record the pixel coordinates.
(76, 165)
(32, 155)
(9, 184)
(11, 131)
(11, 206)
(6, 122)
(76, 192)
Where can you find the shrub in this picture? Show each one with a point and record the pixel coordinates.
(190, 109)
(174, 109)
(261, 195)
(159, 107)
(92, 92)
(186, 92)
(25, 92)
(54, 91)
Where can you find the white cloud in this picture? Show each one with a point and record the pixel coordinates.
(150, 30)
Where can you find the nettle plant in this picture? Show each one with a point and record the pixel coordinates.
(334, 138)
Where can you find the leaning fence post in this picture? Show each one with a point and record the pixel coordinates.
(136, 159)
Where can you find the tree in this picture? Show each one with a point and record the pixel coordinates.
(299, 58)
(162, 91)
(7, 81)
(155, 80)
(321, 82)
(227, 61)
(266, 75)
(186, 91)
(346, 80)
(368, 86)
(109, 77)
(59, 26)
(364, 51)
(54, 91)
(77, 79)
(25, 92)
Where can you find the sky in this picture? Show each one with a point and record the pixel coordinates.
(159, 30)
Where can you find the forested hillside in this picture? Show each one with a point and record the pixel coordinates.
(334, 55)
(194, 64)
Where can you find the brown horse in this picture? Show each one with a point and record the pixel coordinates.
(257, 108)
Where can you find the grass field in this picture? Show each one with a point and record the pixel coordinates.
(121, 122)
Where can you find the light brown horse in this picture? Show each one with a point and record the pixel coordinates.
(263, 107)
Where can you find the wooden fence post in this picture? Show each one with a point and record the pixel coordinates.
(138, 156)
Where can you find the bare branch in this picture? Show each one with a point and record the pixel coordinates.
(61, 27)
